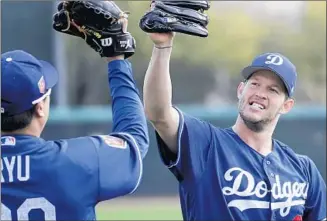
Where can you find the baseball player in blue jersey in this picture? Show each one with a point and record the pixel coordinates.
(65, 179)
(240, 172)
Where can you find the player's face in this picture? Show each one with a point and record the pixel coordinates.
(262, 99)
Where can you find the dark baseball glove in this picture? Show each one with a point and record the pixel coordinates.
(186, 17)
(102, 24)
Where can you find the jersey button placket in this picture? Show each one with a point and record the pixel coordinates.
(271, 179)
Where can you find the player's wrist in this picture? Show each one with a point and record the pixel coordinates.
(118, 57)
(165, 44)
(163, 47)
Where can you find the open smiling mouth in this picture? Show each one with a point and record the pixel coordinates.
(257, 105)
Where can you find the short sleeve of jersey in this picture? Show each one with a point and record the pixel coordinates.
(194, 138)
(119, 165)
(315, 206)
(110, 164)
(76, 168)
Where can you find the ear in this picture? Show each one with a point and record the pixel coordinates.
(39, 110)
(240, 89)
(287, 106)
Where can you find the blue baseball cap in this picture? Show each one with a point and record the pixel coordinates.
(25, 81)
(277, 63)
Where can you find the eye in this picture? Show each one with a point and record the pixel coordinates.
(274, 90)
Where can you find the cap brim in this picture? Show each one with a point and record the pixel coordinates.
(248, 71)
(50, 74)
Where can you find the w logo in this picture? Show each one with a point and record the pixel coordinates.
(106, 42)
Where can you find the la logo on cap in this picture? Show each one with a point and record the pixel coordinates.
(41, 85)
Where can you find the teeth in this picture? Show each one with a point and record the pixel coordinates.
(257, 106)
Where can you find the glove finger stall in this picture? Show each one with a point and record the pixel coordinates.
(62, 23)
(158, 22)
(183, 13)
(60, 20)
(65, 5)
(60, 6)
(95, 19)
(105, 7)
(195, 5)
(94, 12)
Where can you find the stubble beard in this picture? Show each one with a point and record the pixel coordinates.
(255, 126)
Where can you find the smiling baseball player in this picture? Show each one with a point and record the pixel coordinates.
(240, 172)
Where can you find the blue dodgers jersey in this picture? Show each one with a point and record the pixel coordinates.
(65, 179)
(222, 178)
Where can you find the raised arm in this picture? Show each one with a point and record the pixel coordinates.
(158, 91)
(127, 108)
(116, 158)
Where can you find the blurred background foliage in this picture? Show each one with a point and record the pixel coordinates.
(206, 70)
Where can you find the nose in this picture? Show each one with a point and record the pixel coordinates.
(260, 93)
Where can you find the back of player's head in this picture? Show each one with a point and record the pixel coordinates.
(25, 81)
(276, 63)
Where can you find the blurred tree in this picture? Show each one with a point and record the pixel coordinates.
(305, 45)
(310, 51)
(235, 37)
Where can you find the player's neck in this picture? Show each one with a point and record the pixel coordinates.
(259, 141)
(32, 130)
(22, 132)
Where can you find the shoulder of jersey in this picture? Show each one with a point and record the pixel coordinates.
(109, 140)
(285, 147)
(303, 159)
(281, 144)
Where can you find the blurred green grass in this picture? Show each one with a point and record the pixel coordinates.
(139, 209)
(149, 213)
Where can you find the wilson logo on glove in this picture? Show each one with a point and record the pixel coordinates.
(106, 42)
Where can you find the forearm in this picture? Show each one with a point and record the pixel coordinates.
(127, 108)
(157, 85)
